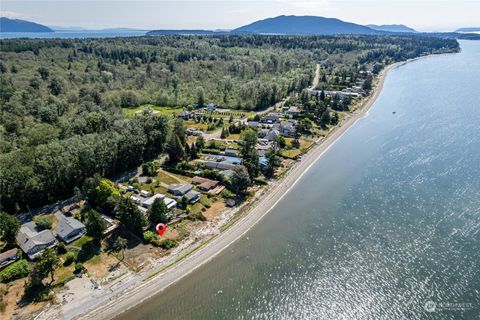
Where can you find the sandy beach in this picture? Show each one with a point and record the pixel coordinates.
(135, 290)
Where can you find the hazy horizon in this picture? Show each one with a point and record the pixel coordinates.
(424, 15)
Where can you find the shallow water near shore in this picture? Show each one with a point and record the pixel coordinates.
(386, 225)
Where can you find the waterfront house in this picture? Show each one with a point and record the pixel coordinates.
(69, 228)
(33, 240)
(8, 257)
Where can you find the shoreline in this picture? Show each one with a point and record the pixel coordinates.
(160, 280)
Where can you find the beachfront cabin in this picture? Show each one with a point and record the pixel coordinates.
(33, 240)
(8, 257)
(69, 228)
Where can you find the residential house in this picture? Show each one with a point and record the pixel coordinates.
(33, 240)
(144, 203)
(253, 124)
(222, 165)
(211, 107)
(69, 228)
(272, 135)
(8, 257)
(205, 184)
(263, 133)
(287, 128)
(185, 115)
(192, 196)
(231, 152)
(227, 174)
(231, 202)
(179, 189)
(293, 112)
(271, 118)
(169, 202)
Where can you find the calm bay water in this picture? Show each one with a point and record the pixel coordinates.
(386, 221)
(73, 34)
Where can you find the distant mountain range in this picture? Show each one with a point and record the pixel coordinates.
(282, 25)
(16, 25)
(391, 27)
(298, 25)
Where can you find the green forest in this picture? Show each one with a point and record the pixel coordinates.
(62, 102)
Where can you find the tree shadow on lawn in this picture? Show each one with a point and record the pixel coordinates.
(89, 250)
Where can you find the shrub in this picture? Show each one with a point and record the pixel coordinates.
(15, 271)
(168, 244)
(78, 267)
(197, 216)
(69, 258)
(62, 248)
(44, 222)
(148, 236)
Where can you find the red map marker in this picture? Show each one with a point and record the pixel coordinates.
(161, 228)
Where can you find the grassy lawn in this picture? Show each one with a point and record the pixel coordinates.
(161, 110)
(205, 201)
(165, 178)
(196, 125)
(79, 243)
(290, 153)
(235, 136)
(64, 274)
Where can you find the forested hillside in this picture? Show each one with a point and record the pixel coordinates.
(61, 101)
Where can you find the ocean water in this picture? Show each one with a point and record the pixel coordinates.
(386, 225)
(72, 34)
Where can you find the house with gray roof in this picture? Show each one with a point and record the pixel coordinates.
(192, 196)
(33, 240)
(69, 228)
(179, 189)
(8, 257)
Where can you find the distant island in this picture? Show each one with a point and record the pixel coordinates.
(16, 25)
(304, 25)
(391, 28)
(474, 29)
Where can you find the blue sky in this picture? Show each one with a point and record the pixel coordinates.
(424, 15)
